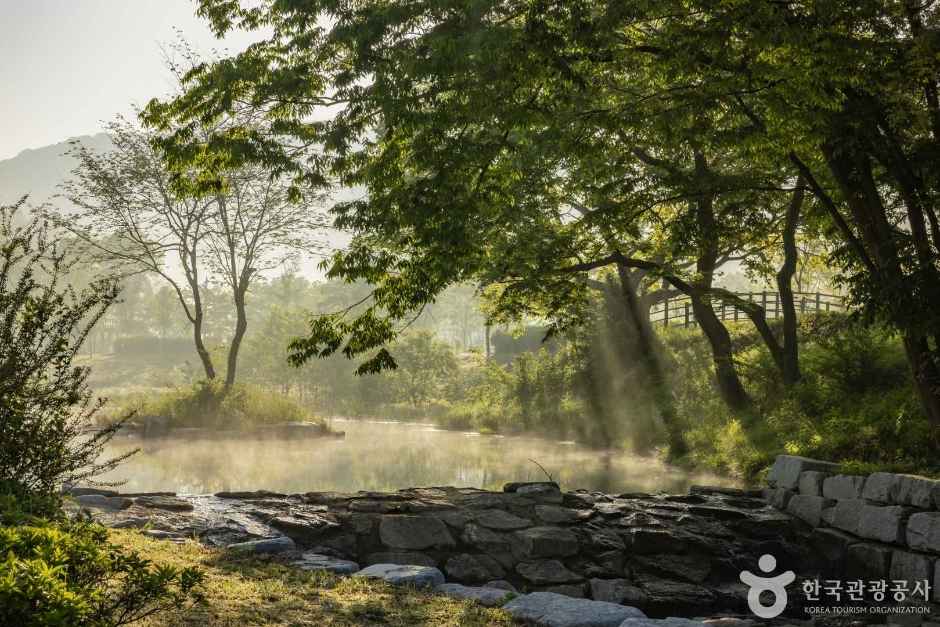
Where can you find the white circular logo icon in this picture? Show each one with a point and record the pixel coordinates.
(776, 585)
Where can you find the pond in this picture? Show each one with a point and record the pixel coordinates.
(386, 456)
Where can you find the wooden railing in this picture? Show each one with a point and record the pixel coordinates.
(678, 311)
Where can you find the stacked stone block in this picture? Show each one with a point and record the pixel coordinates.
(881, 526)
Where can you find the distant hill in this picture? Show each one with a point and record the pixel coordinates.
(38, 172)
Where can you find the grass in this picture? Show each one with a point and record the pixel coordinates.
(205, 404)
(242, 590)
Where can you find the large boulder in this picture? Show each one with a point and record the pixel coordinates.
(484, 540)
(616, 591)
(811, 482)
(556, 515)
(488, 597)
(414, 532)
(556, 610)
(809, 508)
(923, 532)
(780, 497)
(168, 503)
(913, 569)
(400, 575)
(886, 524)
(869, 562)
(846, 514)
(912, 490)
(541, 542)
(878, 487)
(547, 572)
(467, 569)
(785, 473)
(843, 487)
(97, 501)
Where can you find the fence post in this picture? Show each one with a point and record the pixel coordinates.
(666, 313)
(735, 314)
(818, 300)
(802, 304)
(687, 315)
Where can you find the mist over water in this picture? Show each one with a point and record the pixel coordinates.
(379, 456)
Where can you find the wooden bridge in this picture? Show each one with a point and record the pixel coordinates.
(678, 311)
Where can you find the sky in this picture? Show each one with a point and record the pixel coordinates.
(68, 65)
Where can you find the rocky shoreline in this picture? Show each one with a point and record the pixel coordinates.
(659, 555)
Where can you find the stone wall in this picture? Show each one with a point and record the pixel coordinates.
(883, 526)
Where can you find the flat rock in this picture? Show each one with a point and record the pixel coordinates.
(414, 532)
(402, 559)
(168, 503)
(257, 494)
(547, 572)
(556, 610)
(488, 597)
(501, 520)
(912, 568)
(514, 486)
(555, 515)
(541, 492)
(88, 491)
(868, 561)
(539, 542)
(752, 493)
(314, 561)
(402, 575)
(266, 545)
(811, 482)
(843, 487)
(130, 523)
(501, 584)
(98, 501)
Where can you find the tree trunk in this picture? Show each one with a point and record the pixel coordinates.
(241, 325)
(790, 358)
(732, 392)
(651, 355)
(204, 355)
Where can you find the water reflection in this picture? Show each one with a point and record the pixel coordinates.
(385, 457)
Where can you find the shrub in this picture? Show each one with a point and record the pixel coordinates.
(66, 572)
(45, 402)
(208, 404)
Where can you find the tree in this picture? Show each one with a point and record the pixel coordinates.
(423, 365)
(584, 135)
(131, 217)
(45, 402)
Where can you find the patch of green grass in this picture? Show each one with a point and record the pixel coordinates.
(243, 590)
(207, 404)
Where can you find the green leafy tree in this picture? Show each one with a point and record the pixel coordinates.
(45, 402)
(424, 365)
(528, 144)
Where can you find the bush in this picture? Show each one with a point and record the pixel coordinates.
(208, 404)
(66, 572)
(45, 402)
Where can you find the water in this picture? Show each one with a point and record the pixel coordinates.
(382, 456)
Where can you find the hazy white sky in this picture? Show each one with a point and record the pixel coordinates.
(69, 64)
